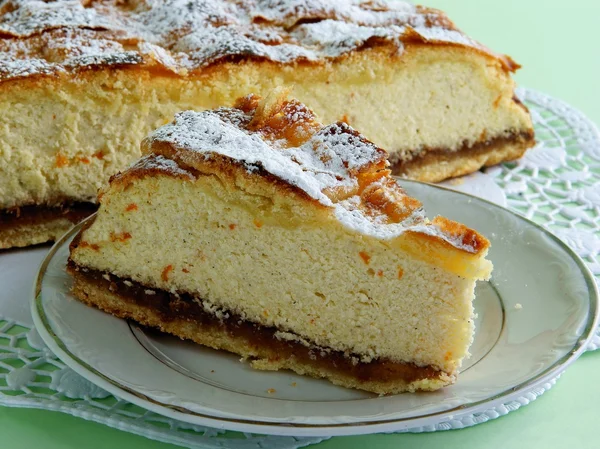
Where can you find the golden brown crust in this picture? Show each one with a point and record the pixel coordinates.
(45, 41)
(185, 318)
(38, 50)
(152, 166)
(228, 169)
(151, 68)
(466, 236)
(412, 38)
(283, 124)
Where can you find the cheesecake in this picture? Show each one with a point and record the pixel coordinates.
(81, 83)
(259, 231)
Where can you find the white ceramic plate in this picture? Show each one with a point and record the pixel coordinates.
(534, 319)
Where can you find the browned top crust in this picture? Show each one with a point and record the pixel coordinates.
(182, 36)
(279, 139)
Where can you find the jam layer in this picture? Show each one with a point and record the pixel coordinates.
(36, 215)
(434, 157)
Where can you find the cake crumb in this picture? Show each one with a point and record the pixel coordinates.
(293, 384)
(212, 370)
(271, 390)
(518, 306)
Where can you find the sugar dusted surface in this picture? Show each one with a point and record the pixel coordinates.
(329, 160)
(161, 163)
(320, 163)
(38, 37)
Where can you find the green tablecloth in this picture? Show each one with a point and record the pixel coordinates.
(558, 45)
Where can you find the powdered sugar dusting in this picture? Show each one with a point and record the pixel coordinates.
(339, 149)
(437, 34)
(161, 56)
(35, 16)
(11, 67)
(354, 218)
(40, 37)
(371, 13)
(335, 37)
(207, 133)
(155, 162)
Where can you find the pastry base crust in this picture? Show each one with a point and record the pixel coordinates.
(31, 225)
(185, 318)
(438, 165)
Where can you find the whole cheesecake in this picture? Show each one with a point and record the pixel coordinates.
(260, 231)
(81, 83)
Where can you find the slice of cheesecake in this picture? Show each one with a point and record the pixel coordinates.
(259, 231)
(82, 84)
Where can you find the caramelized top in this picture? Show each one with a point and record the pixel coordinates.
(332, 164)
(62, 36)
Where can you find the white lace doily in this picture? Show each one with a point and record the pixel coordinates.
(556, 184)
